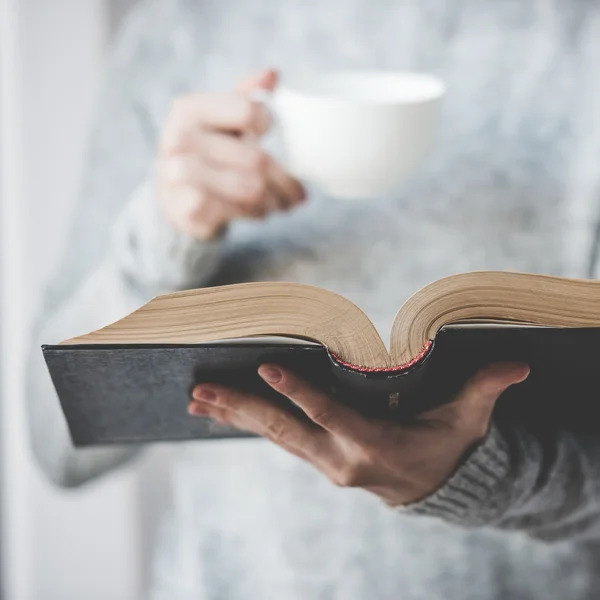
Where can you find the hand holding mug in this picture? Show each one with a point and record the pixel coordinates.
(210, 168)
(353, 134)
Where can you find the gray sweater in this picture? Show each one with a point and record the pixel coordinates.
(514, 183)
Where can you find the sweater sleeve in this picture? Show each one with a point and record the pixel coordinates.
(546, 485)
(121, 251)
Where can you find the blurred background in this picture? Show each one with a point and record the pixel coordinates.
(54, 541)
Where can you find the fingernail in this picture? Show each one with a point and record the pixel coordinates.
(270, 374)
(204, 394)
(513, 367)
(197, 409)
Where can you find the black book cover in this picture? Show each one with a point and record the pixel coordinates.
(139, 393)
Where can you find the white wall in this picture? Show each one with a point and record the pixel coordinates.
(57, 545)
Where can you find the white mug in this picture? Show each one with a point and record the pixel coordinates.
(357, 134)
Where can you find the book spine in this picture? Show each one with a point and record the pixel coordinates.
(381, 394)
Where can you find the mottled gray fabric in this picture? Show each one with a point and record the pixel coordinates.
(514, 183)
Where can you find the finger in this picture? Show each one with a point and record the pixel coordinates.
(254, 414)
(276, 201)
(287, 187)
(233, 153)
(234, 113)
(238, 187)
(229, 417)
(273, 202)
(266, 80)
(230, 153)
(194, 212)
(475, 404)
(319, 407)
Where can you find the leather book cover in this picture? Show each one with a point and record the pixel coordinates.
(139, 393)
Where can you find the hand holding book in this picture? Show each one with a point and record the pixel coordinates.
(401, 464)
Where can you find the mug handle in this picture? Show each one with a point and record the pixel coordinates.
(266, 98)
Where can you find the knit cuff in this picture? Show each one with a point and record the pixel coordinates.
(153, 255)
(471, 496)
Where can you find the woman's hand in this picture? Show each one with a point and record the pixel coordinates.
(399, 463)
(210, 170)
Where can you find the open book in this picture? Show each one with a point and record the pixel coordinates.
(130, 380)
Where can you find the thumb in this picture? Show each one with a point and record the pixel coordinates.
(478, 398)
(265, 80)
